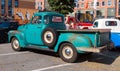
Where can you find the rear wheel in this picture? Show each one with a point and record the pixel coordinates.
(68, 53)
(15, 44)
(111, 47)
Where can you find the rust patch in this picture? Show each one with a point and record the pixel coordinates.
(73, 37)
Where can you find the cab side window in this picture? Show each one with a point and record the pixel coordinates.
(37, 20)
(111, 23)
(46, 19)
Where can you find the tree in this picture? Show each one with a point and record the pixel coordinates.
(62, 6)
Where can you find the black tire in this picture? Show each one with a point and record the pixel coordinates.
(72, 54)
(111, 47)
(15, 44)
(49, 37)
(3, 37)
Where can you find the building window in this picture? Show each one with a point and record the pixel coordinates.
(103, 3)
(3, 7)
(77, 5)
(3, 2)
(92, 4)
(82, 0)
(119, 8)
(97, 3)
(109, 2)
(41, 3)
(10, 7)
(16, 3)
(82, 5)
(89, 4)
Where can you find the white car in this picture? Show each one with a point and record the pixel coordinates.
(113, 24)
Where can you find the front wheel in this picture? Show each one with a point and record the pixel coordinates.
(68, 53)
(15, 44)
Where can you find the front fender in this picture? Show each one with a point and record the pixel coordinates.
(78, 40)
(19, 35)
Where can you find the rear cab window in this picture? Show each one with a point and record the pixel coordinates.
(53, 19)
(57, 19)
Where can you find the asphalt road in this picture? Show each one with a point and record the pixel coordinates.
(39, 60)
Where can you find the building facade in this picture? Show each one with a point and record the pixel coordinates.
(99, 8)
(7, 6)
(39, 4)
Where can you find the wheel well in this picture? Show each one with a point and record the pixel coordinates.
(61, 44)
(12, 38)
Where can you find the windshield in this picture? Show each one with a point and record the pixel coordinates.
(95, 24)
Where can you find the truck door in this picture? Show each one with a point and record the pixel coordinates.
(34, 31)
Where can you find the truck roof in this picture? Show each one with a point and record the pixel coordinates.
(48, 13)
(107, 19)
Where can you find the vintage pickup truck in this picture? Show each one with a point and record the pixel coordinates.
(47, 30)
(114, 25)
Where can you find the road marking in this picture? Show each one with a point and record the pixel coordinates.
(13, 53)
(51, 67)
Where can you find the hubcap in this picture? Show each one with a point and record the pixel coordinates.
(16, 44)
(48, 37)
(67, 52)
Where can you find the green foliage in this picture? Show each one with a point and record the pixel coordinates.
(62, 6)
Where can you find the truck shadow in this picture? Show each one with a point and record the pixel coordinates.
(107, 57)
(42, 51)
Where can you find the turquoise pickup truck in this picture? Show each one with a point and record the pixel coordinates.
(47, 30)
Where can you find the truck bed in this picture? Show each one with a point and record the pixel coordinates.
(86, 30)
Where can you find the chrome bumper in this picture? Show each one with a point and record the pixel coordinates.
(95, 49)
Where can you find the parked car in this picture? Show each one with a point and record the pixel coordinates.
(114, 25)
(46, 30)
(4, 28)
(75, 24)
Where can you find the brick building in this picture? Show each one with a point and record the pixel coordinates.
(7, 6)
(100, 8)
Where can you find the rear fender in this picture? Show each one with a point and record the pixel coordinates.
(75, 39)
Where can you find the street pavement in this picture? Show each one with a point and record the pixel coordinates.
(40, 60)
